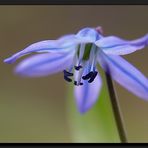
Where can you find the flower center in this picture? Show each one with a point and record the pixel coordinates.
(84, 65)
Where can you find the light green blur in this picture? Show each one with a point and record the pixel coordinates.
(96, 125)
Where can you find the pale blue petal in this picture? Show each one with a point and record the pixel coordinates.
(44, 64)
(63, 45)
(125, 74)
(88, 35)
(87, 94)
(117, 46)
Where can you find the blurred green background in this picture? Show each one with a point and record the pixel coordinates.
(35, 109)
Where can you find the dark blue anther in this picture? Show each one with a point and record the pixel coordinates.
(75, 83)
(67, 79)
(78, 67)
(88, 76)
(66, 73)
(93, 77)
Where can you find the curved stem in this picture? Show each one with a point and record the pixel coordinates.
(116, 110)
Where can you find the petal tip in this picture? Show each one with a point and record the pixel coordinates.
(11, 59)
(82, 111)
(8, 60)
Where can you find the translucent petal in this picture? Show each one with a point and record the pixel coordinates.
(44, 64)
(62, 46)
(117, 46)
(125, 74)
(87, 94)
(88, 35)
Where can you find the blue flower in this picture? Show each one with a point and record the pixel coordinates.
(77, 56)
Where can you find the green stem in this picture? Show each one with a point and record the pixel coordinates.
(116, 110)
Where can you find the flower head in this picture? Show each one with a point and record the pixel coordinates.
(77, 56)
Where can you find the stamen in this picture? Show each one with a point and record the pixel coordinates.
(67, 79)
(89, 75)
(93, 77)
(75, 83)
(78, 67)
(95, 60)
(79, 60)
(75, 59)
(91, 57)
(66, 73)
(78, 74)
(81, 53)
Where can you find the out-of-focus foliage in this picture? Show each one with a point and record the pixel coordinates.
(98, 124)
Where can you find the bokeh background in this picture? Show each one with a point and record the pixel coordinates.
(35, 109)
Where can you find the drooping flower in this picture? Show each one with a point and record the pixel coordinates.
(77, 56)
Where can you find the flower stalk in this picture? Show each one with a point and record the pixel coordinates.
(116, 109)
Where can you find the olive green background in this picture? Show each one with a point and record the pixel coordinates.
(34, 109)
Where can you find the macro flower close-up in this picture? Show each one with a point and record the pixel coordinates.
(78, 55)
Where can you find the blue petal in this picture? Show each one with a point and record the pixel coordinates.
(88, 35)
(44, 64)
(125, 74)
(62, 45)
(87, 94)
(117, 46)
